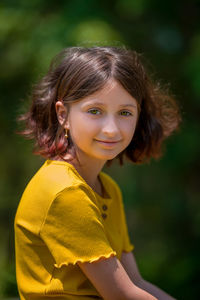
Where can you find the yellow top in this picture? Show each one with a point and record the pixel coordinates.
(61, 220)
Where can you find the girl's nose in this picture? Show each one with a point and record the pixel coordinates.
(110, 127)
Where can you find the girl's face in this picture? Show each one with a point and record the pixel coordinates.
(102, 125)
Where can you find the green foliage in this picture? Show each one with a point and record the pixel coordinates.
(161, 198)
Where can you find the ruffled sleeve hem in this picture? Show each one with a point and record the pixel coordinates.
(83, 260)
(128, 248)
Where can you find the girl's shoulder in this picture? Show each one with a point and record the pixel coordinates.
(52, 177)
(54, 182)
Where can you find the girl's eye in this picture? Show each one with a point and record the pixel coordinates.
(126, 113)
(94, 111)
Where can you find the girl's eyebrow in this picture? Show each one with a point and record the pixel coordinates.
(99, 103)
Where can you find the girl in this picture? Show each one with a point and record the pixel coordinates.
(71, 238)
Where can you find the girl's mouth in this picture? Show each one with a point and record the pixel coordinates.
(107, 143)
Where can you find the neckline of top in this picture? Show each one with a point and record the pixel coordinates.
(101, 177)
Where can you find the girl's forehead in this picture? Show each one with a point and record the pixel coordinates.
(106, 90)
(112, 90)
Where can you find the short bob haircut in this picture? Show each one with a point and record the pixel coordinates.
(77, 72)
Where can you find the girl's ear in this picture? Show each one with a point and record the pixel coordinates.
(62, 114)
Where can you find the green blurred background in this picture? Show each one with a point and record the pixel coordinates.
(161, 199)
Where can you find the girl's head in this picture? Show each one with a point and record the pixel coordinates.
(79, 75)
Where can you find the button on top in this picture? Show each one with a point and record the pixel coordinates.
(104, 215)
(105, 207)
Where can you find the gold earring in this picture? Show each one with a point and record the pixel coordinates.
(66, 135)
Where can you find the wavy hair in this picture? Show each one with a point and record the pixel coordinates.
(77, 72)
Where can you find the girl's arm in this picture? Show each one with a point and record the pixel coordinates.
(129, 263)
(111, 280)
(154, 290)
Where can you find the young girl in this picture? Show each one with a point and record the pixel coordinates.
(71, 238)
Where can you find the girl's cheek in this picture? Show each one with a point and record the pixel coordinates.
(92, 121)
(86, 126)
(128, 126)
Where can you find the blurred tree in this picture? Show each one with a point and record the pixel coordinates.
(161, 198)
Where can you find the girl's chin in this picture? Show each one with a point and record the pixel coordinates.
(107, 156)
(103, 154)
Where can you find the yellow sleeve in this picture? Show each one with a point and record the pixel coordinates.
(73, 229)
(127, 245)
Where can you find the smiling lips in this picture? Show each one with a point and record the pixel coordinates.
(108, 143)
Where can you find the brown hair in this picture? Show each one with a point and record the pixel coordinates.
(78, 72)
